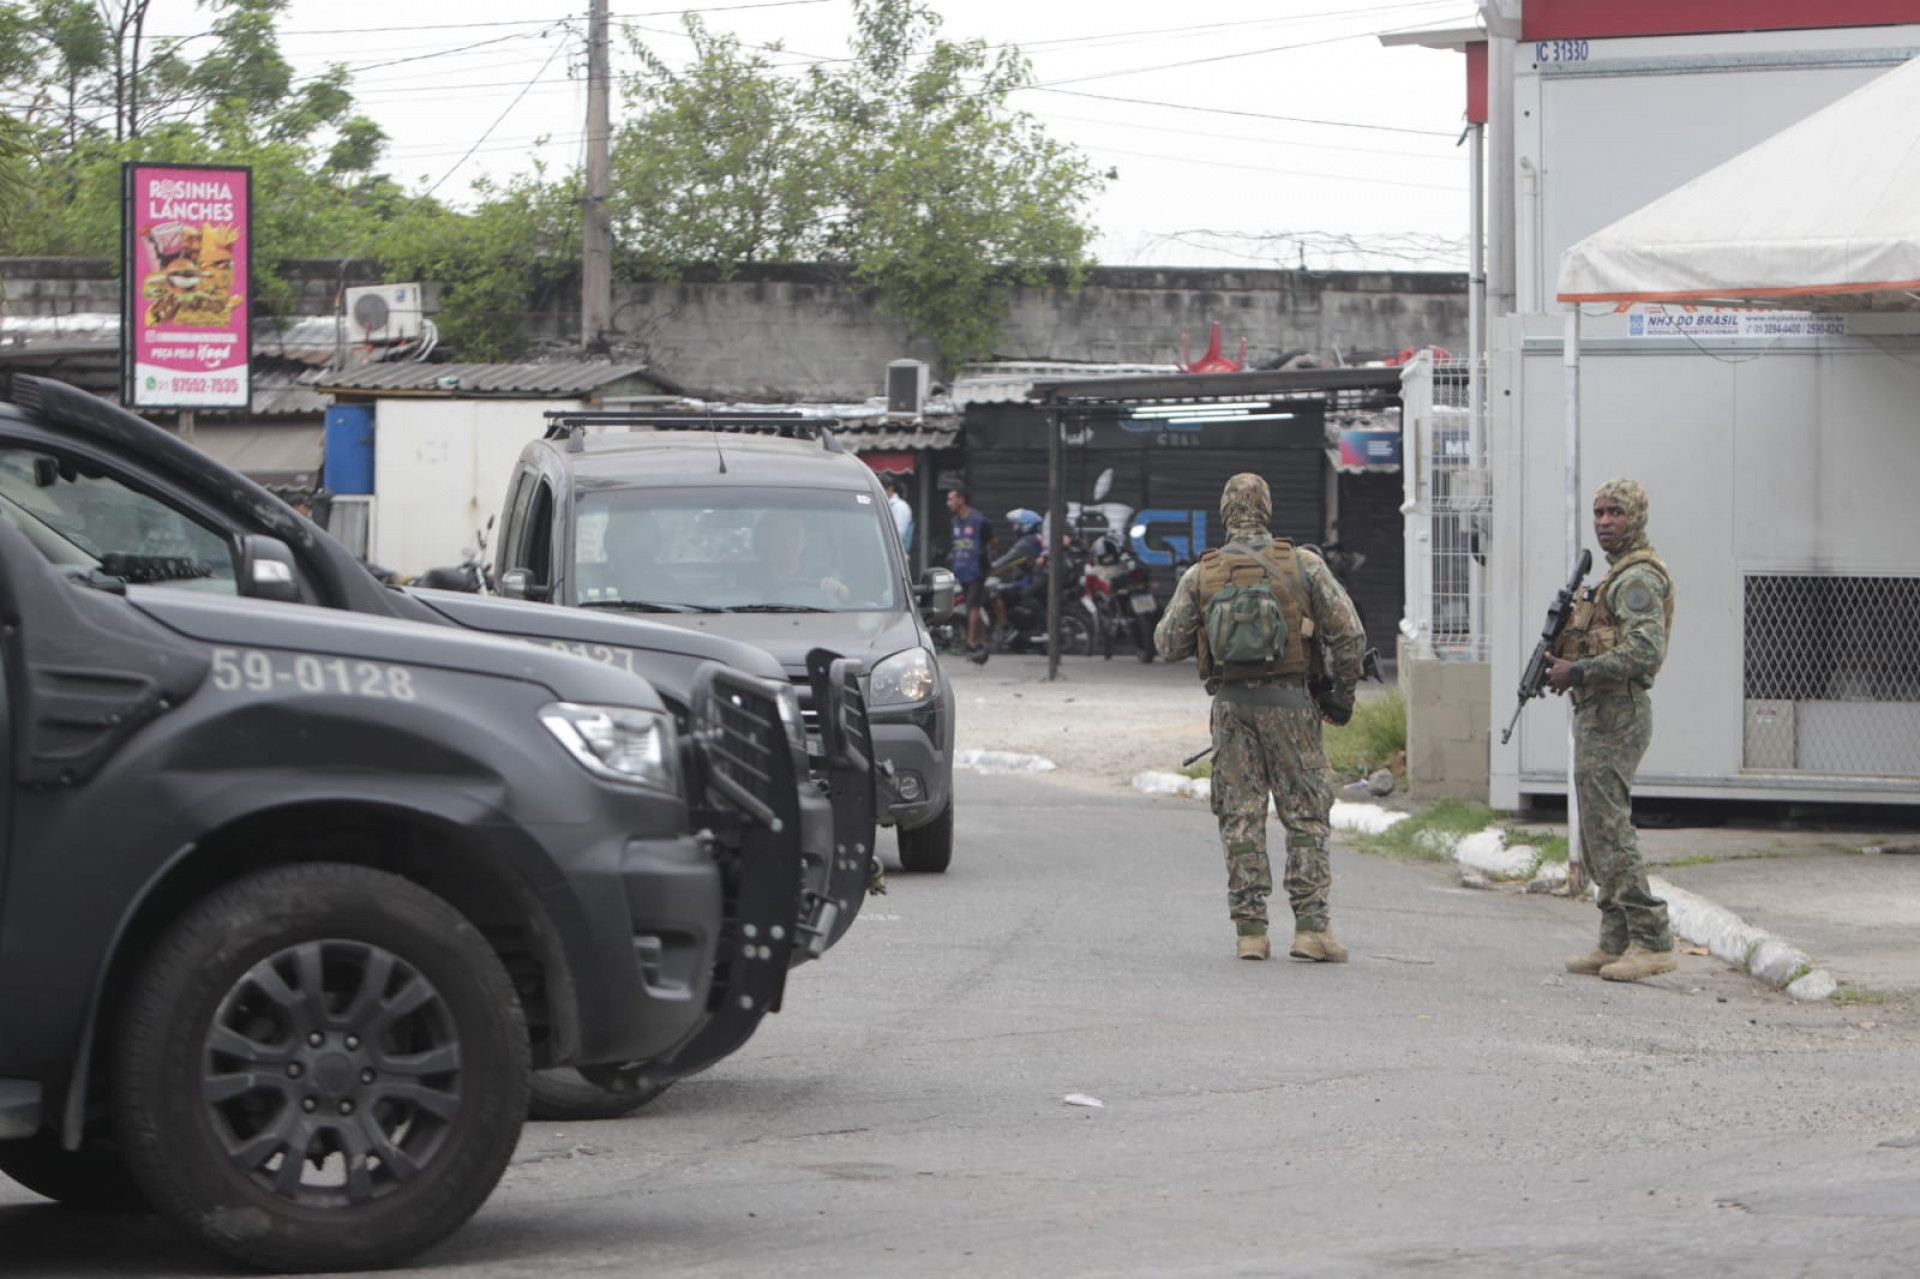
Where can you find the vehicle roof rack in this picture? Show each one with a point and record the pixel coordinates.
(571, 424)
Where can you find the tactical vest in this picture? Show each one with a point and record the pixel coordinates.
(1593, 630)
(1237, 565)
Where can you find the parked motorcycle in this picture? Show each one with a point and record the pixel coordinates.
(472, 574)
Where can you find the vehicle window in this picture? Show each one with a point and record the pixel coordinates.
(513, 538)
(735, 549)
(539, 542)
(82, 519)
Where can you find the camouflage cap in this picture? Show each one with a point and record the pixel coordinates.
(1633, 500)
(1245, 501)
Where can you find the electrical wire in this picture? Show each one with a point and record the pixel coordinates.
(558, 46)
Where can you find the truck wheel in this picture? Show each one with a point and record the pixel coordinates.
(93, 1176)
(564, 1094)
(929, 849)
(320, 1067)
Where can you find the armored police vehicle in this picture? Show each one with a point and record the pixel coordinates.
(291, 899)
(119, 485)
(760, 527)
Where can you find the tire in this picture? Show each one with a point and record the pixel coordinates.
(1076, 638)
(928, 850)
(320, 1012)
(1142, 639)
(94, 1176)
(563, 1095)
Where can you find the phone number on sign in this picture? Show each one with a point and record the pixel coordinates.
(204, 385)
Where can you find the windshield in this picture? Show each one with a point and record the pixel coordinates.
(734, 550)
(85, 520)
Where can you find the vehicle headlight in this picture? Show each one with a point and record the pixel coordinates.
(901, 680)
(790, 716)
(616, 742)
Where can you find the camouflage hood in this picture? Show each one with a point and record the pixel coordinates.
(1246, 505)
(1633, 500)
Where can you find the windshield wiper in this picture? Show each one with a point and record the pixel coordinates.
(775, 608)
(649, 606)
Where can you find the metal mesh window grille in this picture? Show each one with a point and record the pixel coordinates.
(1832, 674)
(1450, 529)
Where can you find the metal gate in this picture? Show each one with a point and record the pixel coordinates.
(1448, 508)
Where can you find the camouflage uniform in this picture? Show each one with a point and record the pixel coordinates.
(1612, 725)
(1271, 750)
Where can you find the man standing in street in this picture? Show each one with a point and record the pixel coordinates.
(1279, 646)
(967, 557)
(1607, 656)
(902, 513)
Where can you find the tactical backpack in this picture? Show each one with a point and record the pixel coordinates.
(1252, 623)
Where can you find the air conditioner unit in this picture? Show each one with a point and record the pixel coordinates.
(907, 386)
(384, 313)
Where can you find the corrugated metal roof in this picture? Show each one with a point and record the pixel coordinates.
(913, 437)
(569, 378)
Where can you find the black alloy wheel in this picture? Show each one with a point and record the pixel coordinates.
(322, 1067)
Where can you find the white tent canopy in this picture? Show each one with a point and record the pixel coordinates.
(1823, 216)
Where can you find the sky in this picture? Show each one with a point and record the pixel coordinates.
(1287, 139)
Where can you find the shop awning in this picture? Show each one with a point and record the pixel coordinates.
(1822, 216)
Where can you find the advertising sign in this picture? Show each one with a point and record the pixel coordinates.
(186, 247)
(1656, 321)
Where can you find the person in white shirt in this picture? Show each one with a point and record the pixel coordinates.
(902, 513)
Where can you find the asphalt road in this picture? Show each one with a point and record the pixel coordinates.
(1448, 1104)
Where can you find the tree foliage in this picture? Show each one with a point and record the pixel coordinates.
(904, 164)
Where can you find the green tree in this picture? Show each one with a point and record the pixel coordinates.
(905, 166)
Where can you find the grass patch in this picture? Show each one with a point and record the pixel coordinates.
(1424, 836)
(1204, 769)
(1374, 738)
(1553, 848)
(1854, 995)
(1698, 859)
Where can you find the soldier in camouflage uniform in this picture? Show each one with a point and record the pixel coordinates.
(1607, 656)
(1266, 729)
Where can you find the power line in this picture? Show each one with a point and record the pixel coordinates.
(507, 22)
(1290, 173)
(558, 46)
(1252, 115)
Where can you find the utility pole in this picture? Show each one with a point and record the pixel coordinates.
(596, 237)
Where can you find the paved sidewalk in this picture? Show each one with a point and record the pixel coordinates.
(1856, 914)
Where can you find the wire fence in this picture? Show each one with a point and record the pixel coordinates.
(1450, 510)
(1832, 674)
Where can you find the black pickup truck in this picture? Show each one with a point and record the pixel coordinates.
(292, 899)
(119, 486)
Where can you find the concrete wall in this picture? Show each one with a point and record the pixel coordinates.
(1449, 705)
(798, 332)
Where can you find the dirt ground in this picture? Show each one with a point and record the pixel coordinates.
(1101, 723)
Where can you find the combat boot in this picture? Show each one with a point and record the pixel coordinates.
(1253, 946)
(1318, 946)
(1590, 964)
(1640, 962)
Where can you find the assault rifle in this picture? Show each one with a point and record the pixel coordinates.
(1533, 682)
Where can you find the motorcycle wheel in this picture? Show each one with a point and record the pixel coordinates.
(1076, 638)
(1142, 639)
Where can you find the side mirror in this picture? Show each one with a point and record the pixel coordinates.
(1103, 485)
(519, 584)
(938, 589)
(267, 570)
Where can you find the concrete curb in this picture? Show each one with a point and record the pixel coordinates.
(980, 761)
(1725, 935)
(1728, 937)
